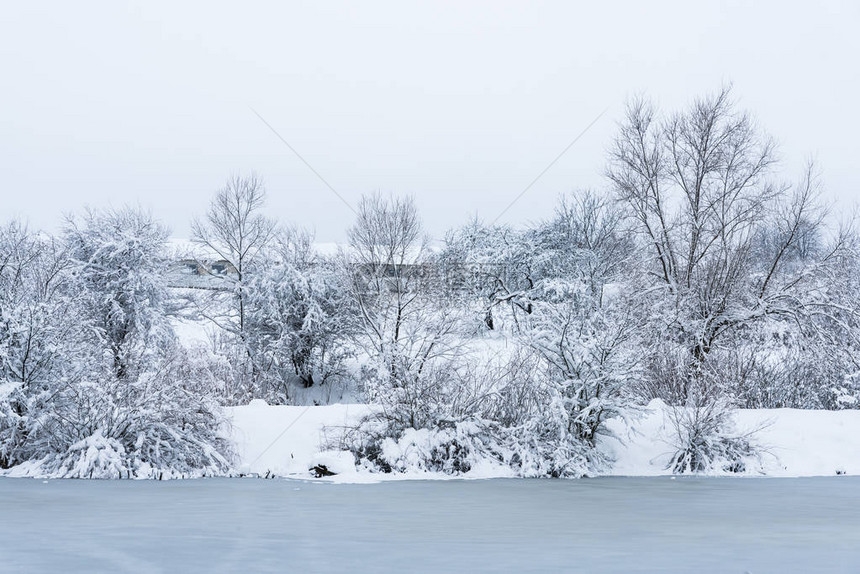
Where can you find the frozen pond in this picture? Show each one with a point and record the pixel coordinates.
(604, 525)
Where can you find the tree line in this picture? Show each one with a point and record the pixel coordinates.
(699, 276)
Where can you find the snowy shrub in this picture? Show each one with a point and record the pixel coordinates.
(589, 355)
(535, 449)
(847, 395)
(544, 447)
(499, 413)
(92, 457)
(225, 362)
(775, 364)
(116, 395)
(705, 440)
(410, 395)
(453, 449)
(159, 424)
(295, 328)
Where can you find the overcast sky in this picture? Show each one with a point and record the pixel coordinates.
(461, 104)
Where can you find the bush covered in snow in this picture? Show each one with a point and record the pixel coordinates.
(113, 394)
(535, 449)
(705, 439)
(295, 327)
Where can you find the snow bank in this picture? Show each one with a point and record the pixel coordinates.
(797, 442)
(289, 441)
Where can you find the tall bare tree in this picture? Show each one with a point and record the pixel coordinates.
(235, 230)
(387, 249)
(699, 185)
(404, 325)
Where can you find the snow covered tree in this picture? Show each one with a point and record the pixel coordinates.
(32, 272)
(501, 266)
(491, 264)
(118, 400)
(586, 240)
(296, 322)
(38, 334)
(724, 240)
(404, 323)
(590, 354)
(235, 230)
(118, 263)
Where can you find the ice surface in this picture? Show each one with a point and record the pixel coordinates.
(591, 525)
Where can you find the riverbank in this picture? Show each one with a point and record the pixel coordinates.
(289, 440)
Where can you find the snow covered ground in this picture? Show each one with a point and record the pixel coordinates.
(797, 442)
(288, 440)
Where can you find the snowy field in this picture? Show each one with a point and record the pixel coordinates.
(657, 524)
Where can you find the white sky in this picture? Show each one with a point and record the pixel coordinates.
(460, 103)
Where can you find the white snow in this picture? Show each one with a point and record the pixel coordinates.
(192, 332)
(289, 440)
(8, 388)
(797, 442)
